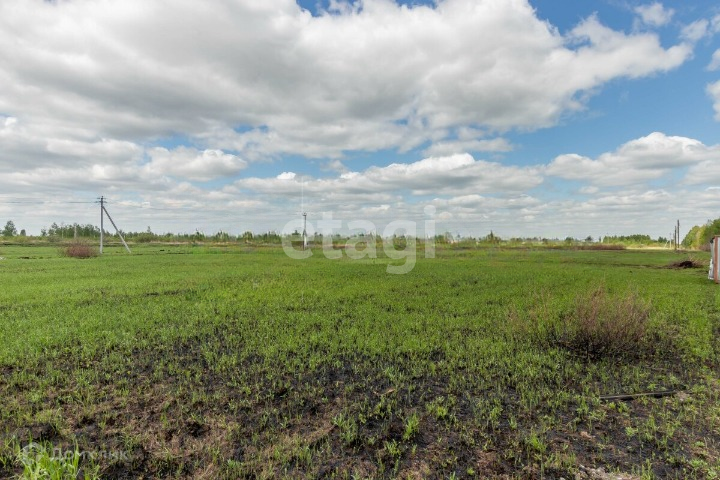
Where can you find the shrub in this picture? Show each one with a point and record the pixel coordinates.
(79, 250)
(596, 325)
(599, 325)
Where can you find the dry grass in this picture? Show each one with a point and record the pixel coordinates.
(600, 325)
(79, 250)
(597, 325)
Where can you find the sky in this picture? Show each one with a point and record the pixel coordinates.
(531, 118)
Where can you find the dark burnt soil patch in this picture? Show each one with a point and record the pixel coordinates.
(204, 406)
(688, 263)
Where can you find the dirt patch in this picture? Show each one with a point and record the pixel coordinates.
(688, 263)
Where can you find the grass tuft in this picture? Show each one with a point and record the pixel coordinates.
(596, 325)
(40, 461)
(79, 250)
(600, 325)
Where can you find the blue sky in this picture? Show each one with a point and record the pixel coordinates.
(528, 118)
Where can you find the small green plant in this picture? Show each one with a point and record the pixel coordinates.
(412, 426)
(348, 428)
(39, 461)
(393, 449)
(439, 408)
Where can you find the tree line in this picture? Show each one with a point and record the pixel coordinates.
(696, 238)
(699, 236)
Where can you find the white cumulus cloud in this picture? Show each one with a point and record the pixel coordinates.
(192, 164)
(455, 174)
(654, 14)
(715, 61)
(714, 91)
(377, 77)
(637, 161)
(696, 30)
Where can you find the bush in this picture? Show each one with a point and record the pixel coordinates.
(596, 325)
(79, 250)
(599, 325)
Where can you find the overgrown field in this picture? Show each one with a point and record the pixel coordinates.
(234, 362)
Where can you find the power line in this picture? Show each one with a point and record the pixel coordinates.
(40, 202)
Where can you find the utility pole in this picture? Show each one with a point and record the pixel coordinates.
(102, 228)
(304, 231)
(103, 211)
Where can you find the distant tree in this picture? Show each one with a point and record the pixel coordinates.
(589, 239)
(711, 229)
(492, 238)
(221, 237)
(622, 239)
(22, 233)
(694, 237)
(699, 236)
(9, 230)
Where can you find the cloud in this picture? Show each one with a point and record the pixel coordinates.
(26, 146)
(619, 54)
(455, 174)
(267, 78)
(713, 90)
(471, 196)
(462, 146)
(715, 62)
(192, 164)
(696, 30)
(646, 158)
(654, 14)
(476, 203)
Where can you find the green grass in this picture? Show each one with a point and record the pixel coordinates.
(222, 361)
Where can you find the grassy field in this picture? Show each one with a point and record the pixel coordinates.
(238, 362)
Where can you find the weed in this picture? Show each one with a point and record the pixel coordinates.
(79, 250)
(600, 325)
(40, 461)
(348, 428)
(412, 426)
